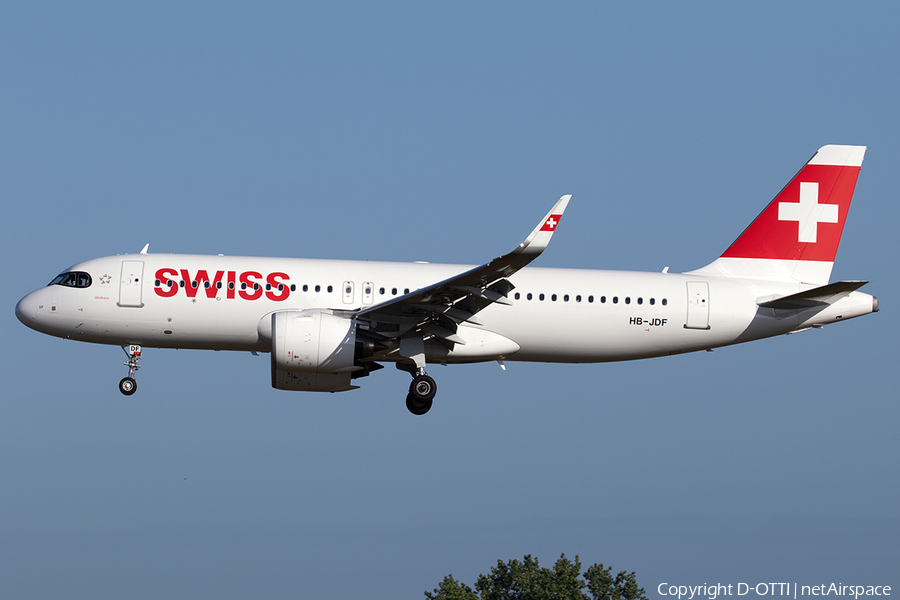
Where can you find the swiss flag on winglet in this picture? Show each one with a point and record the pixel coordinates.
(551, 223)
(805, 221)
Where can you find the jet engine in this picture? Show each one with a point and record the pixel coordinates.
(317, 351)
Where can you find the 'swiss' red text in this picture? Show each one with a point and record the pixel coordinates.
(247, 285)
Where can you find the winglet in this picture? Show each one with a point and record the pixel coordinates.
(540, 237)
(146, 247)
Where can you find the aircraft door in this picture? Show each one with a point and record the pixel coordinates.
(348, 292)
(368, 294)
(698, 305)
(131, 283)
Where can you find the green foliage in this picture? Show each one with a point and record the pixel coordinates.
(602, 586)
(450, 589)
(527, 580)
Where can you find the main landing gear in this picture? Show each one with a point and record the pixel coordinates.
(128, 385)
(421, 393)
(423, 387)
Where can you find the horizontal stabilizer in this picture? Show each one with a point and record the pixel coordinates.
(826, 294)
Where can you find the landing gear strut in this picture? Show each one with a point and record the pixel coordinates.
(421, 393)
(128, 385)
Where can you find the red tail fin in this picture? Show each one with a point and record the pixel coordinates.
(797, 235)
(805, 221)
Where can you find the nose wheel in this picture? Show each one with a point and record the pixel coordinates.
(128, 385)
(421, 393)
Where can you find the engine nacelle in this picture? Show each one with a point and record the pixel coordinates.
(313, 350)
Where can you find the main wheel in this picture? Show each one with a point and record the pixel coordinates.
(423, 388)
(128, 386)
(417, 407)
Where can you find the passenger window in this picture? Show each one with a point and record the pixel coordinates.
(381, 291)
(518, 295)
(640, 300)
(664, 301)
(627, 300)
(293, 287)
(528, 296)
(218, 285)
(305, 288)
(230, 285)
(541, 297)
(553, 297)
(578, 298)
(194, 284)
(652, 301)
(602, 299)
(405, 290)
(566, 298)
(590, 298)
(393, 291)
(615, 299)
(330, 289)
(318, 288)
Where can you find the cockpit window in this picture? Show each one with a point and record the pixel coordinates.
(77, 279)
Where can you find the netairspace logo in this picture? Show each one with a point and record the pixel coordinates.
(713, 591)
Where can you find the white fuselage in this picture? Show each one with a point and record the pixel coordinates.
(556, 315)
(329, 322)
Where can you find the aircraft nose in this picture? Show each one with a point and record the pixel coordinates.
(26, 310)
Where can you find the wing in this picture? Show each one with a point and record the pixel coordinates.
(436, 310)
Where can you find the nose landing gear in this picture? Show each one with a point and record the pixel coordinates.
(128, 385)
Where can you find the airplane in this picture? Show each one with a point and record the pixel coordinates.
(327, 323)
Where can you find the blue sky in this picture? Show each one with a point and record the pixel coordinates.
(441, 132)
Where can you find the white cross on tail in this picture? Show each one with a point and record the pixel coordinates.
(808, 212)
